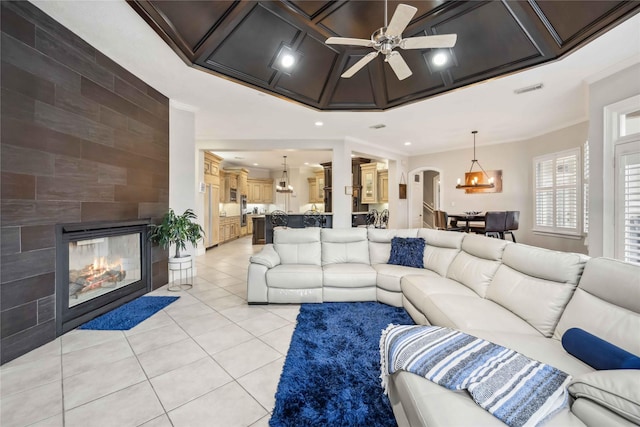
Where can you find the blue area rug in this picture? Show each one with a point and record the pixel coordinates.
(129, 315)
(331, 376)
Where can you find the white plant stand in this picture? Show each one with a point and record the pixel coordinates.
(183, 267)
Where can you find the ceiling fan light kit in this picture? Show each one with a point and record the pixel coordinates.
(471, 180)
(384, 40)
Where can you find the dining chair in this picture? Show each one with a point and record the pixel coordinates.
(494, 225)
(512, 223)
(442, 222)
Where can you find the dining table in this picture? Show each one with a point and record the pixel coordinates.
(467, 218)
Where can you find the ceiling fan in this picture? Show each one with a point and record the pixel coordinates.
(384, 40)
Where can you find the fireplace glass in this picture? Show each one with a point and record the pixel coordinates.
(102, 265)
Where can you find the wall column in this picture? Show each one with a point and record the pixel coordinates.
(183, 180)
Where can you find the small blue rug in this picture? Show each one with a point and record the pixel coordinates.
(331, 376)
(129, 315)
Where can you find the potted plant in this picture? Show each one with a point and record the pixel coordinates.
(177, 230)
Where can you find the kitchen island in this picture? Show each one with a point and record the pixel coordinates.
(293, 221)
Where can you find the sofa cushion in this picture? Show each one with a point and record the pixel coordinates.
(536, 284)
(380, 242)
(425, 403)
(441, 248)
(344, 246)
(407, 251)
(606, 304)
(470, 312)
(267, 257)
(295, 276)
(473, 272)
(389, 275)
(349, 275)
(419, 285)
(596, 352)
(618, 391)
(298, 245)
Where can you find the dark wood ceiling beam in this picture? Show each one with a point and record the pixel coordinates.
(159, 24)
(495, 38)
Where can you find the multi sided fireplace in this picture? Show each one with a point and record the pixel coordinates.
(99, 267)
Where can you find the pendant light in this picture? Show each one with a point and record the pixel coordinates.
(471, 178)
(283, 185)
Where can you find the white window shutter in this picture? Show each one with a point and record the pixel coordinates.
(557, 192)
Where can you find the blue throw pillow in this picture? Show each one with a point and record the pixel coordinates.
(596, 352)
(407, 251)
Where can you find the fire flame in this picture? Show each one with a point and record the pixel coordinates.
(101, 264)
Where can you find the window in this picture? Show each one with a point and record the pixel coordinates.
(585, 188)
(628, 202)
(557, 193)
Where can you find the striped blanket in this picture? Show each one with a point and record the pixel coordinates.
(517, 390)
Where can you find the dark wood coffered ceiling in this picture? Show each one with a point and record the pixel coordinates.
(239, 40)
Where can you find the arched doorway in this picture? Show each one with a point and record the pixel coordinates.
(423, 194)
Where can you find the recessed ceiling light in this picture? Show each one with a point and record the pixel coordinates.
(306, 163)
(440, 58)
(319, 123)
(287, 60)
(407, 143)
(255, 164)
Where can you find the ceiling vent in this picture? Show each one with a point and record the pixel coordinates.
(531, 88)
(378, 126)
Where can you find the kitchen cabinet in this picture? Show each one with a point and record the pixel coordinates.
(229, 228)
(369, 183)
(211, 219)
(259, 230)
(357, 204)
(260, 190)
(383, 186)
(229, 186)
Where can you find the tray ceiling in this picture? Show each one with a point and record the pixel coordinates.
(240, 40)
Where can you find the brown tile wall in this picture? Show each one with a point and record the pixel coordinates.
(82, 139)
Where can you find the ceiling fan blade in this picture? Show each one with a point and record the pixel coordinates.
(427, 42)
(400, 19)
(358, 65)
(398, 65)
(349, 41)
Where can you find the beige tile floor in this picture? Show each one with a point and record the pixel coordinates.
(208, 359)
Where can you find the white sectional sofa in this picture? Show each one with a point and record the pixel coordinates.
(514, 295)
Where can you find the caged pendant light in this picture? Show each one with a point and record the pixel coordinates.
(471, 178)
(283, 184)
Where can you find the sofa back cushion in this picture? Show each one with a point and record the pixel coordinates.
(298, 245)
(476, 264)
(441, 248)
(536, 284)
(606, 304)
(380, 242)
(346, 245)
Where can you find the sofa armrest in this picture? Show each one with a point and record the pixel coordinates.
(616, 390)
(267, 257)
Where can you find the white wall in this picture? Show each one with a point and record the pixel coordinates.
(616, 87)
(515, 159)
(185, 167)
